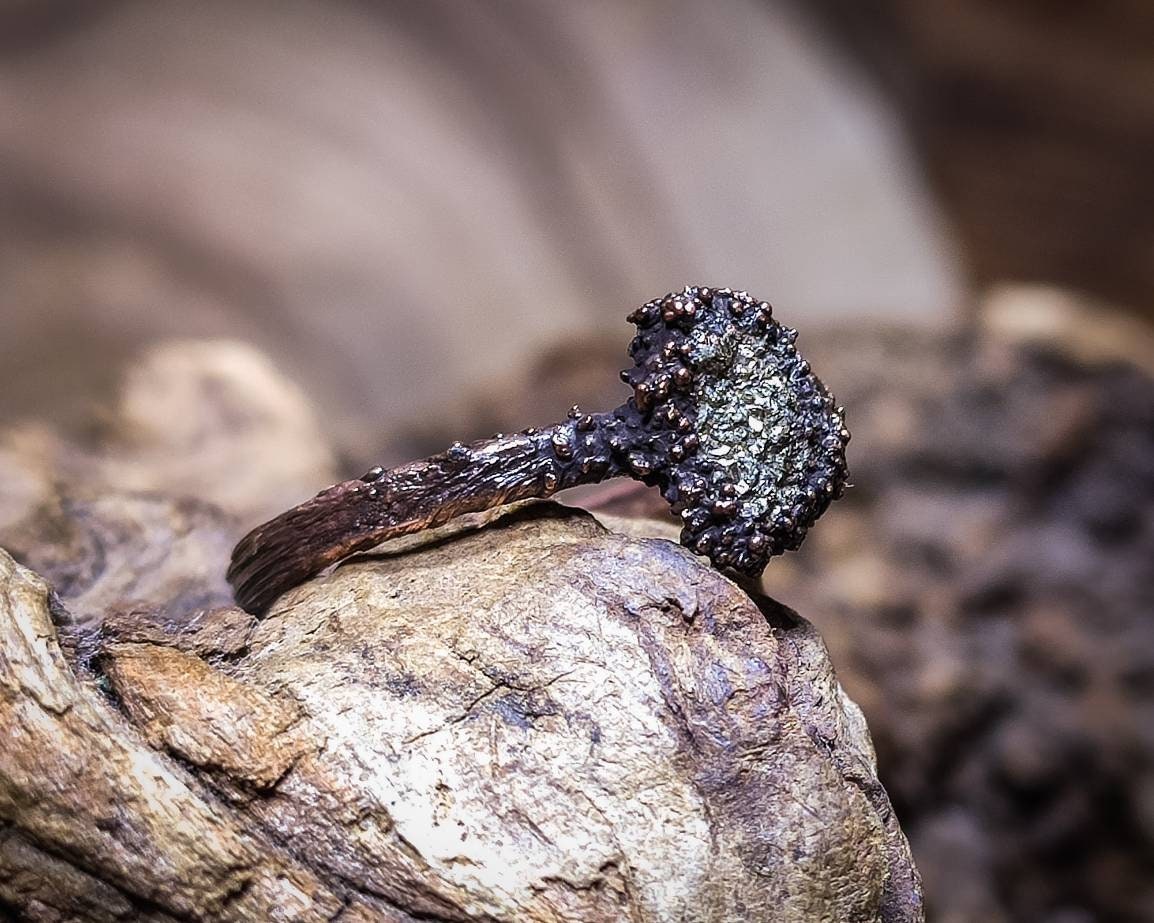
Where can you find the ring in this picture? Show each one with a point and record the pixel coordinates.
(726, 419)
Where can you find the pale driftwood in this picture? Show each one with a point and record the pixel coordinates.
(520, 717)
(97, 824)
(539, 720)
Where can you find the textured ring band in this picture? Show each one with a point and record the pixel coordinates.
(726, 418)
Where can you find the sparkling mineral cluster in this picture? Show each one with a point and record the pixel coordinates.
(729, 421)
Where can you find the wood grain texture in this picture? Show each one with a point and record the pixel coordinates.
(518, 716)
(533, 720)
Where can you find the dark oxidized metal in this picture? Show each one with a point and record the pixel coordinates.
(726, 418)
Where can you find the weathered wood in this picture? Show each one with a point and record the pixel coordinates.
(520, 716)
(78, 784)
(538, 720)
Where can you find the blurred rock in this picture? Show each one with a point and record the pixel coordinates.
(142, 510)
(1087, 328)
(216, 421)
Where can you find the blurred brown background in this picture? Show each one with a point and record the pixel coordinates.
(434, 216)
